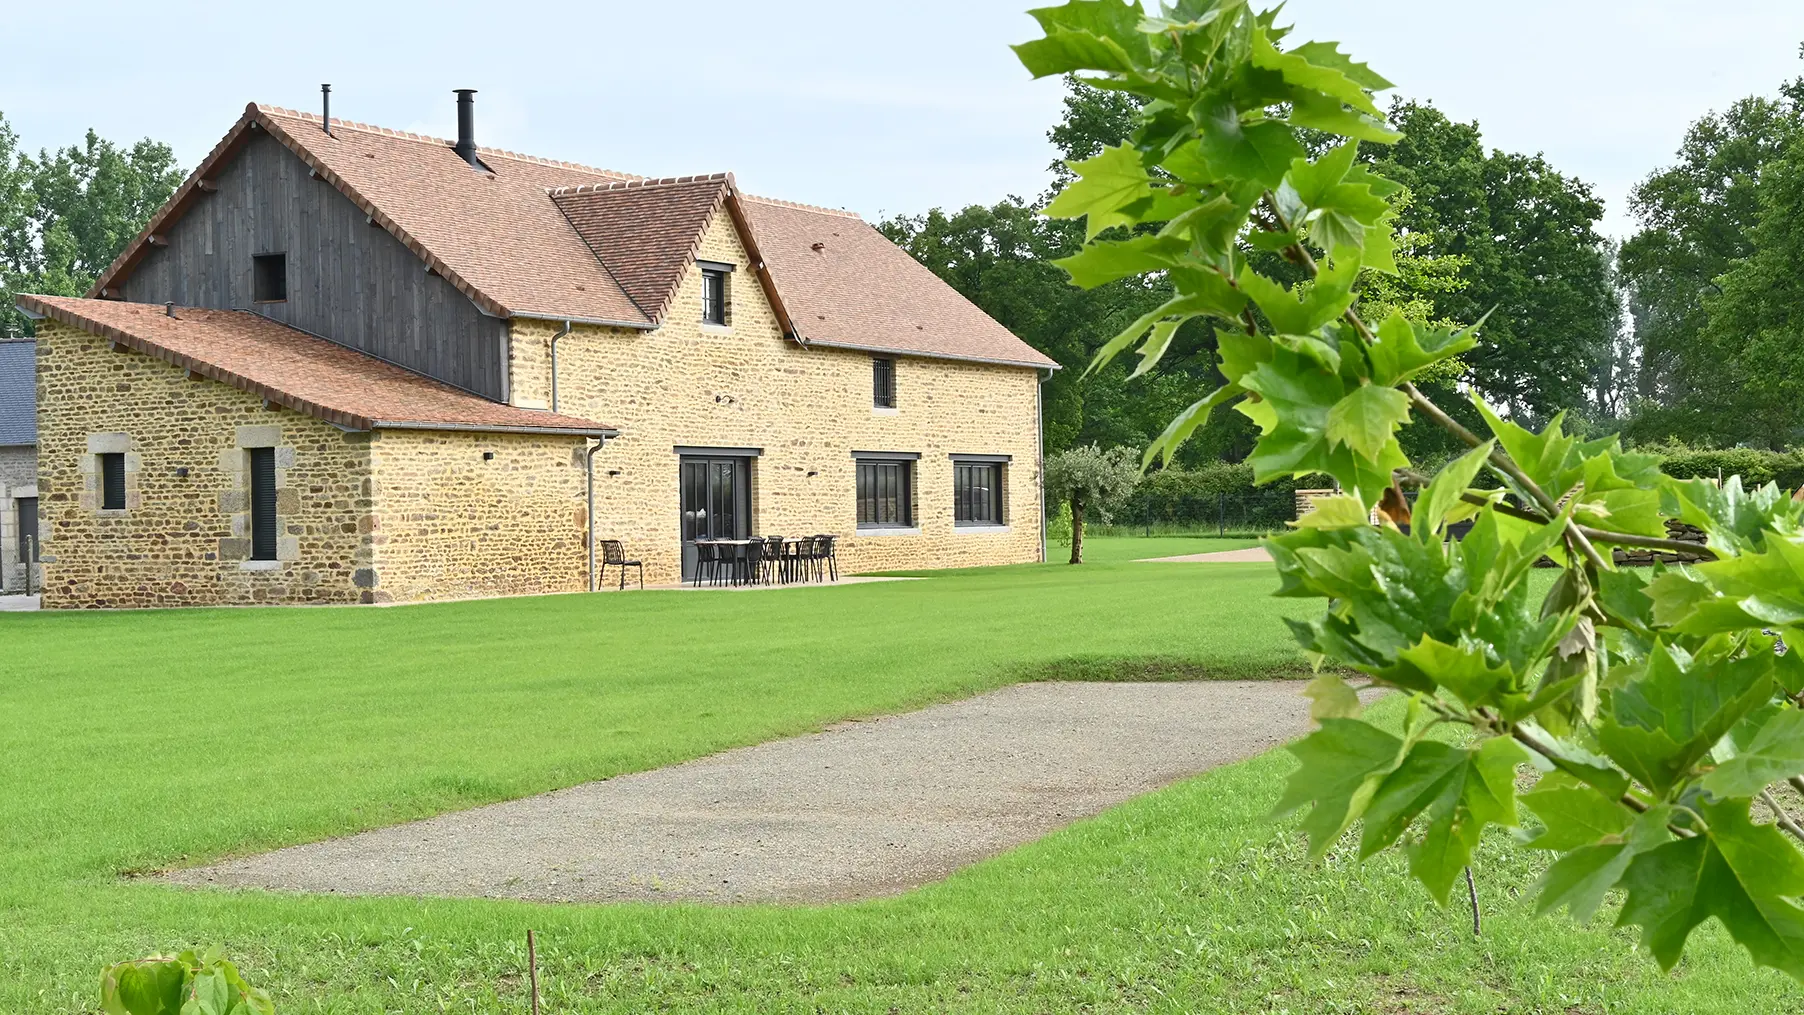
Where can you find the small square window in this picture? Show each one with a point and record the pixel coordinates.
(714, 297)
(269, 278)
(112, 482)
(883, 383)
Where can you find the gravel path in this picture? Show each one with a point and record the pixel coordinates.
(859, 810)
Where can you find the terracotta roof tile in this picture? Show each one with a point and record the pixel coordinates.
(845, 284)
(645, 231)
(298, 370)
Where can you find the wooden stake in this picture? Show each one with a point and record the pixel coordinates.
(1471, 893)
(532, 970)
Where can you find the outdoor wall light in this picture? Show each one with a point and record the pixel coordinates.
(488, 456)
(613, 472)
(812, 473)
(182, 472)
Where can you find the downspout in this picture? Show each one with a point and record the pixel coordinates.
(589, 478)
(1040, 449)
(554, 339)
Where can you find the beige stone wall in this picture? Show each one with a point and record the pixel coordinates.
(183, 537)
(808, 409)
(455, 524)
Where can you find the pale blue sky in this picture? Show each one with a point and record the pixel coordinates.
(877, 108)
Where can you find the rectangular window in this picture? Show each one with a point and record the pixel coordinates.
(112, 481)
(269, 278)
(883, 383)
(714, 296)
(263, 503)
(28, 529)
(885, 494)
(977, 493)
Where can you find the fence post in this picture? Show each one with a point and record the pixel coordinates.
(1221, 512)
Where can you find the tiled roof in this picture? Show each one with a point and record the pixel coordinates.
(845, 284)
(297, 370)
(539, 238)
(18, 392)
(645, 231)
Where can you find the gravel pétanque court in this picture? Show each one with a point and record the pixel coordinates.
(861, 809)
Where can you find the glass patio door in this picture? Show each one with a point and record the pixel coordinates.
(716, 503)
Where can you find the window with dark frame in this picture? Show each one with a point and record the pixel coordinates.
(28, 529)
(885, 494)
(263, 503)
(112, 481)
(977, 493)
(269, 278)
(883, 383)
(714, 296)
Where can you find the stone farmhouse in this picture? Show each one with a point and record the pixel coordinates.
(345, 364)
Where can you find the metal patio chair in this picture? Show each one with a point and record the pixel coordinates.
(613, 554)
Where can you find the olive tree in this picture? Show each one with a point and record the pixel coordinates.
(1090, 479)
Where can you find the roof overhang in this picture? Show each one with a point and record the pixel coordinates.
(917, 354)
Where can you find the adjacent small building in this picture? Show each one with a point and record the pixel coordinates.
(349, 364)
(18, 467)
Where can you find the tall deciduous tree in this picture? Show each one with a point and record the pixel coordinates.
(1750, 381)
(1532, 257)
(65, 215)
(1698, 219)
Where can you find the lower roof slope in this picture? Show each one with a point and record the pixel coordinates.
(299, 371)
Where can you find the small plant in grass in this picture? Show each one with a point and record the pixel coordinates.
(1087, 479)
(1662, 710)
(187, 984)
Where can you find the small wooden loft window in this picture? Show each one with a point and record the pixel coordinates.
(269, 278)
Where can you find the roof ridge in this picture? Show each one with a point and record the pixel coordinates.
(779, 202)
(370, 128)
(641, 183)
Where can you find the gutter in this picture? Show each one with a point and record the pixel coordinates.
(554, 340)
(553, 431)
(918, 354)
(600, 322)
(1040, 450)
(589, 480)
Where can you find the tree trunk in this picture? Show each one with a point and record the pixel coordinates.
(1077, 529)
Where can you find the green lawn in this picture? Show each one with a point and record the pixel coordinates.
(135, 741)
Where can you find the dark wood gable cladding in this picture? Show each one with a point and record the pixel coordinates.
(347, 280)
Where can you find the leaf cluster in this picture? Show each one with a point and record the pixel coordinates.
(1655, 712)
(192, 983)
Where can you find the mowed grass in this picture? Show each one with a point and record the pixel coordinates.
(139, 741)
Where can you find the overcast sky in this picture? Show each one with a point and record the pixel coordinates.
(887, 108)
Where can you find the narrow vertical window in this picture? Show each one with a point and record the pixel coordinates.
(269, 278)
(263, 503)
(112, 481)
(883, 383)
(714, 296)
(28, 529)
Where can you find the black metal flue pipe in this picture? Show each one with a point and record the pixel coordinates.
(466, 126)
